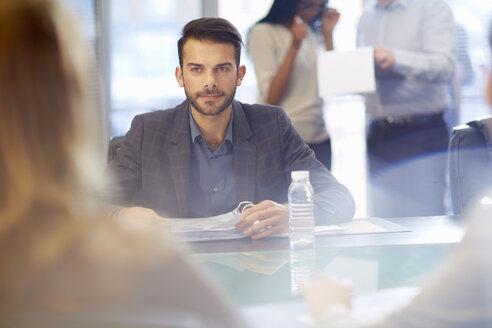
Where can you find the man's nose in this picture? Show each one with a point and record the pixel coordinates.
(210, 81)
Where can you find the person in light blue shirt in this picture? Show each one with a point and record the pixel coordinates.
(458, 295)
(407, 138)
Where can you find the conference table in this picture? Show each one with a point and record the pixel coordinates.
(264, 276)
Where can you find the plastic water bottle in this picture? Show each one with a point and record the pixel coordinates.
(301, 207)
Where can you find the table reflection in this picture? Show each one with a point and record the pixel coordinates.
(256, 277)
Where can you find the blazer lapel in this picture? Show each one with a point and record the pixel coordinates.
(244, 155)
(180, 157)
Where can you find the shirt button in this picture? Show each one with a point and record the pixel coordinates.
(216, 189)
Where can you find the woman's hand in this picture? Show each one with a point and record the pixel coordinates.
(298, 30)
(329, 19)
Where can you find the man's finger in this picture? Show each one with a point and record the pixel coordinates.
(266, 224)
(256, 213)
(267, 232)
(259, 225)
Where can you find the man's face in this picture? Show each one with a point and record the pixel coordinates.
(209, 75)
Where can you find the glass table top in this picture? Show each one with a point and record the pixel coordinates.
(259, 277)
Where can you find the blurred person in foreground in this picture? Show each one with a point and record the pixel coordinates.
(459, 296)
(59, 255)
(211, 152)
(283, 46)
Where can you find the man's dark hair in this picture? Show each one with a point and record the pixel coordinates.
(214, 29)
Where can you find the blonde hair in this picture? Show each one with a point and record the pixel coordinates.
(47, 158)
(44, 138)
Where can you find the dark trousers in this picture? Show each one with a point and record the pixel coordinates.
(407, 164)
(322, 151)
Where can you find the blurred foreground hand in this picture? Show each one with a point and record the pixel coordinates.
(138, 213)
(324, 295)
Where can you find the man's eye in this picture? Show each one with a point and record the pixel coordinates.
(224, 69)
(196, 69)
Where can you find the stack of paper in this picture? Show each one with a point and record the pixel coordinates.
(218, 227)
(222, 227)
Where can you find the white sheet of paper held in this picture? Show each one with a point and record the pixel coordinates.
(344, 72)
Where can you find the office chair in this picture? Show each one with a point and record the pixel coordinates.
(470, 162)
(114, 147)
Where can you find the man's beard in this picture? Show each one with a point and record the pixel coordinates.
(193, 101)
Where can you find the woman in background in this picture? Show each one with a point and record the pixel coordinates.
(459, 296)
(58, 253)
(283, 46)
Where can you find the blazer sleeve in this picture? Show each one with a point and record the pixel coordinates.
(334, 203)
(124, 173)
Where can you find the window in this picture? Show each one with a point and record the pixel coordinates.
(473, 17)
(85, 11)
(143, 56)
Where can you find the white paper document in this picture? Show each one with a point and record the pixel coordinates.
(222, 227)
(211, 228)
(372, 225)
(342, 72)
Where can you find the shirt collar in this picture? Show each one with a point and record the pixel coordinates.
(397, 3)
(195, 132)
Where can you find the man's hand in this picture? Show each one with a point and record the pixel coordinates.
(384, 57)
(264, 219)
(138, 213)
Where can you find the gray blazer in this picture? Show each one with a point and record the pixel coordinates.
(152, 168)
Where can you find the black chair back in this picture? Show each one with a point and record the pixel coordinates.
(114, 147)
(470, 162)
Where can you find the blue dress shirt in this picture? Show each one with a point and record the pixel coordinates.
(213, 185)
(421, 35)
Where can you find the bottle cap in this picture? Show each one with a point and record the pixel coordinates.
(299, 175)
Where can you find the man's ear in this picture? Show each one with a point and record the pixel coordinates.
(241, 71)
(179, 76)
